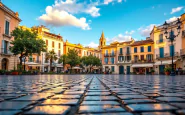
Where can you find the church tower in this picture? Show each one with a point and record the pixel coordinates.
(102, 40)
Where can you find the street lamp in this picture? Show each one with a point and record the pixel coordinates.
(171, 37)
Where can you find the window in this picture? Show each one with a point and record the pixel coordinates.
(120, 50)
(59, 53)
(112, 68)
(135, 50)
(128, 50)
(161, 52)
(59, 45)
(120, 58)
(149, 57)
(171, 33)
(53, 44)
(149, 48)
(112, 60)
(160, 38)
(142, 49)
(112, 52)
(142, 57)
(107, 52)
(7, 27)
(128, 58)
(46, 42)
(172, 50)
(106, 60)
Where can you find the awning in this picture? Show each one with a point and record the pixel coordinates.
(142, 65)
(76, 68)
(166, 62)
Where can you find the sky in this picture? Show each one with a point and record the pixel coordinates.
(82, 21)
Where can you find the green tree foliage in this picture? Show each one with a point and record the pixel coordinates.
(25, 43)
(51, 56)
(63, 59)
(73, 58)
(90, 61)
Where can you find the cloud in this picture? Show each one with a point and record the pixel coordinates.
(71, 6)
(121, 1)
(145, 31)
(120, 38)
(57, 18)
(172, 19)
(93, 45)
(107, 1)
(174, 10)
(129, 33)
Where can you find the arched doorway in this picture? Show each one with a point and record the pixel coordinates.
(4, 64)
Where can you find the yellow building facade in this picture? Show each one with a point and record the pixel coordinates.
(53, 42)
(142, 53)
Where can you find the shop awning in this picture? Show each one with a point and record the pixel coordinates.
(32, 64)
(142, 65)
(166, 62)
(76, 68)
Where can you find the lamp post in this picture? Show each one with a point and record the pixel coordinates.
(171, 37)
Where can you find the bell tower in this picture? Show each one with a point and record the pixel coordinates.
(102, 40)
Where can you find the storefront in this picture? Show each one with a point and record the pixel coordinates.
(142, 68)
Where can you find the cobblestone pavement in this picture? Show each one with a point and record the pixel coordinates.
(92, 95)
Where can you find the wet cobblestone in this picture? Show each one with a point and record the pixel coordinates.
(92, 95)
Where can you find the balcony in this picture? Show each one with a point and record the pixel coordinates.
(182, 52)
(5, 51)
(183, 34)
(124, 61)
(106, 55)
(143, 61)
(127, 53)
(167, 55)
(112, 54)
(160, 41)
(120, 53)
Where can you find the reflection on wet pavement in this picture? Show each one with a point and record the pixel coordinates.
(92, 95)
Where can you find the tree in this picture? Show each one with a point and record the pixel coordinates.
(73, 57)
(63, 59)
(51, 56)
(91, 61)
(25, 43)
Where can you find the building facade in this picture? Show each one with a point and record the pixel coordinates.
(182, 52)
(53, 42)
(164, 49)
(142, 53)
(9, 20)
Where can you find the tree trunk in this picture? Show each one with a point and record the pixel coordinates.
(50, 64)
(71, 69)
(20, 63)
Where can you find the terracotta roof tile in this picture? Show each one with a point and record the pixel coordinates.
(142, 42)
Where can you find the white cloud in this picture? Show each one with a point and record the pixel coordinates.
(121, 1)
(172, 19)
(93, 45)
(174, 10)
(107, 1)
(120, 38)
(73, 7)
(145, 31)
(58, 18)
(129, 33)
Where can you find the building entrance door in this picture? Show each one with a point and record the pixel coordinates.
(128, 69)
(121, 69)
(161, 69)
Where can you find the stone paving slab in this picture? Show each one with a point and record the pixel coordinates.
(9, 112)
(100, 109)
(132, 97)
(179, 105)
(49, 110)
(119, 113)
(181, 112)
(137, 101)
(171, 99)
(150, 107)
(66, 97)
(98, 93)
(98, 98)
(60, 102)
(13, 105)
(157, 113)
(100, 103)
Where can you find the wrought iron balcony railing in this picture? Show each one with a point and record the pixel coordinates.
(167, 55)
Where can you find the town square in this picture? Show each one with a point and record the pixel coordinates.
(92, 57)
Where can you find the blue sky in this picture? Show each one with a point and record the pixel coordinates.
(82, 21)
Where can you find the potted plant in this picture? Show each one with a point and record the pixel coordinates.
(15, 72)
(152, 71)
(2, 72)
(167, 71)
